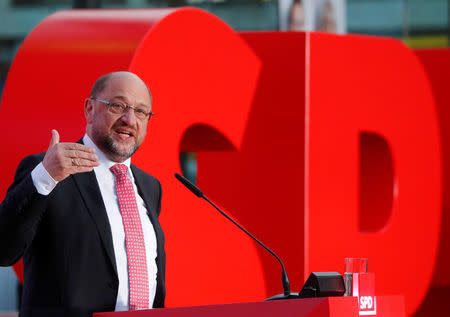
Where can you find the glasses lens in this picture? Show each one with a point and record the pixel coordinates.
(140, 113)
(117, 107)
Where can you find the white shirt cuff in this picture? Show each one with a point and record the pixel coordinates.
(42, 180)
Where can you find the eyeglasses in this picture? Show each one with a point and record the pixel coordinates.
(118, 107)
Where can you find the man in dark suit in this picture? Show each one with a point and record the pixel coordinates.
(84, 219)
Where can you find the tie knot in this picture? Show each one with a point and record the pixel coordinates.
(119, 169)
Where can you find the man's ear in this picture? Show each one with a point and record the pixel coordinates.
(88, 109)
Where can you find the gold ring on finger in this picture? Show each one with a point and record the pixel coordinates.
(73, 162)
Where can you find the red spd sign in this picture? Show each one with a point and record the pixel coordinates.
(363, 286)
(330, 142)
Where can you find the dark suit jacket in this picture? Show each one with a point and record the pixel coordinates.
(66, 243)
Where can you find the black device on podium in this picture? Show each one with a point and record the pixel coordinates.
(323, 284)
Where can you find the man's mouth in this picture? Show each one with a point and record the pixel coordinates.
(124, 134)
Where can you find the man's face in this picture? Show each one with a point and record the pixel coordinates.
(118, 135)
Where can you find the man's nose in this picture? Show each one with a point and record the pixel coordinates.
(129, 117)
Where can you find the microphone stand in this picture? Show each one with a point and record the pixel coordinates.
(284, 278)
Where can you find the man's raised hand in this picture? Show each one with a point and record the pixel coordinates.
(63, 159)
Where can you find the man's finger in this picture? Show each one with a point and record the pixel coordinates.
(55, 138)
(79, 162)
(78, 147)
(81, 169)
(81, 154)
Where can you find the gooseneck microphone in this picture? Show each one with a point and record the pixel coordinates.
(284, 278)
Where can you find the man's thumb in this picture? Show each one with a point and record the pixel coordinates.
(55, 138)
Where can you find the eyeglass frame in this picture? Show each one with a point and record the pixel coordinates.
(109, 103)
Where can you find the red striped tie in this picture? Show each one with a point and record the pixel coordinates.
(134, 239)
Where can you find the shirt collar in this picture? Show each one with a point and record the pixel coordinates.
(102, 159)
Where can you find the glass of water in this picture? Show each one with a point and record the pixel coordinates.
(352, 266)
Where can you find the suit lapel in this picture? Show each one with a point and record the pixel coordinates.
(151, 197)
(90, 192)
(145, 194)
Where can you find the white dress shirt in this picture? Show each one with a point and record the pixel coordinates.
(44, 184)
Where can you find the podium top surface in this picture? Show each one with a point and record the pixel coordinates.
(313, 307)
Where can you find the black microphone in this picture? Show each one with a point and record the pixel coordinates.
(284, 278)
(197, 192)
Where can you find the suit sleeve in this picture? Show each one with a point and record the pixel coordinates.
(20, 213)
